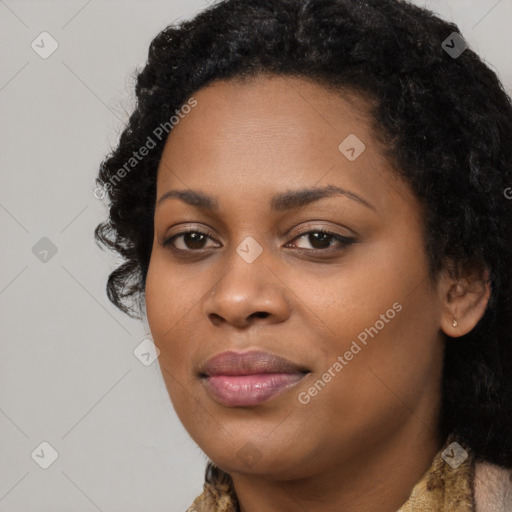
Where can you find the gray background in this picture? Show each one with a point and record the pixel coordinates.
(68, 374)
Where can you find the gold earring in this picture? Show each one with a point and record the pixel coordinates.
(454, 323)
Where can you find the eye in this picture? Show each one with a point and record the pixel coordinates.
(192, 240)
(321, 240)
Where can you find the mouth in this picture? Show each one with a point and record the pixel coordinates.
(242, 379)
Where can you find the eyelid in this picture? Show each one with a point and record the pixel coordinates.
(187, 227)
(186, 230)
(326, 229)
(342, 240)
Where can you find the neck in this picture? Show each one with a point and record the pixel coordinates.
(379, 480)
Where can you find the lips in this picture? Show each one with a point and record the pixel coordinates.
(248, 378)
(249, 363)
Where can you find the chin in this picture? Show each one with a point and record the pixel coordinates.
(244, 456)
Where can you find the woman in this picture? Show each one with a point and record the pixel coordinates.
(311, 199)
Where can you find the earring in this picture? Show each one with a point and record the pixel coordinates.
(454, 323)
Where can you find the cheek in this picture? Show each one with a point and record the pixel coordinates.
(382, 321)
(167, 306)
(352, 299)
(170, 298)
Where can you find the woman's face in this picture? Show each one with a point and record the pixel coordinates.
(358, 320)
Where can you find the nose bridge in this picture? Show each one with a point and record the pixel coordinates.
(247, 266)
(248, 286)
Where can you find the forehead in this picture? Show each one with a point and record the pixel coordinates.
(273, 108)
(271, 133)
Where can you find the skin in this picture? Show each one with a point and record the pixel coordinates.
(370, 434)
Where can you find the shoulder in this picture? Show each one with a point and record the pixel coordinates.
(492, 488)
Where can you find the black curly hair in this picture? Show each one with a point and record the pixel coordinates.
(446, 120)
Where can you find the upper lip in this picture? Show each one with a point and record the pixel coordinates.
(248, 363)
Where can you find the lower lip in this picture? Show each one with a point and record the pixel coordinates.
(247, 390)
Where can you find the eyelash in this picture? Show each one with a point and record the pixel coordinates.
(343, 240)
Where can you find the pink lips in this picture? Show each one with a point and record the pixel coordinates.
(248, 378)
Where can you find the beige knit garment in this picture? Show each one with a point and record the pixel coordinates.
(469, 487)
(444, 488)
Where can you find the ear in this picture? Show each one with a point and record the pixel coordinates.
(464, 295)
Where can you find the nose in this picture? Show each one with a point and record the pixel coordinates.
(248, 293)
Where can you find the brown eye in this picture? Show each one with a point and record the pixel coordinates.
(320, 240)
(191, 240)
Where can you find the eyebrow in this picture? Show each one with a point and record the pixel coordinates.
(289, 200)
